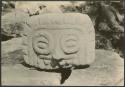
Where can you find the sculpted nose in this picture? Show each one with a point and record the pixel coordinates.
(57, 52)
(56, 55)
(56, 58)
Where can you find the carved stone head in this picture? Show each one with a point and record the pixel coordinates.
(59, 40)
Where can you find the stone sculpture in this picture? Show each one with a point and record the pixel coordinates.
(55, 40)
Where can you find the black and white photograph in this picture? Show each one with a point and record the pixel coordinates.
(62, 43)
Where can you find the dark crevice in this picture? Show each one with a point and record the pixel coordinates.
(5, 37)
(26, 65)
(65, 73)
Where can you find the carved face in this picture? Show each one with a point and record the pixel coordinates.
(59, 46)
(53, 41)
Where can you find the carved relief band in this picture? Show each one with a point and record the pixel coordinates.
(59, 40)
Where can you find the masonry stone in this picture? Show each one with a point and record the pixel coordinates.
(57, 40)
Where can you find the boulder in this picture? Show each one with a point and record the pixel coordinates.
(107, 70)
(11, 51)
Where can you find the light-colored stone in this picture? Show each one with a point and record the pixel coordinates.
(11, 45)
(32, 7)
(107, 70)
(20, 75)
(12, 23)
(55, 39)
(11, 51)
(50, 9)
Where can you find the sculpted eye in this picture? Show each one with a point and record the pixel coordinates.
(41, 43)
(69, 43)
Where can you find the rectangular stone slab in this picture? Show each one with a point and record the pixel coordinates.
(59, 40)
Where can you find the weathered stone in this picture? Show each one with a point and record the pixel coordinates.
(50, 9)
(59, 40)
(107, 70)
(11, 51)
(20, 75)
(34, 7)
(11, 45)
(12, 23)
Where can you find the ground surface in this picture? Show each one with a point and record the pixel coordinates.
(107, 70)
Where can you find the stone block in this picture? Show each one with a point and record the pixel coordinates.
(59, 40)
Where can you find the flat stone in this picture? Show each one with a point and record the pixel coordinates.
(107, 70)
(20, 75)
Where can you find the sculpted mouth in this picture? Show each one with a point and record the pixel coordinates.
(60, 63)
(57, 63)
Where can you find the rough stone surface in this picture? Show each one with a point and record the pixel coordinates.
(50, 9)
(54, 40)
(12, 23)
(25, 6)
(11, 45)
(20, 75)
(107, 70)
(33, 7)
(11, 51)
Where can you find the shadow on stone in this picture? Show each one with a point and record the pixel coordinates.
(81, 66)
(65, 72)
